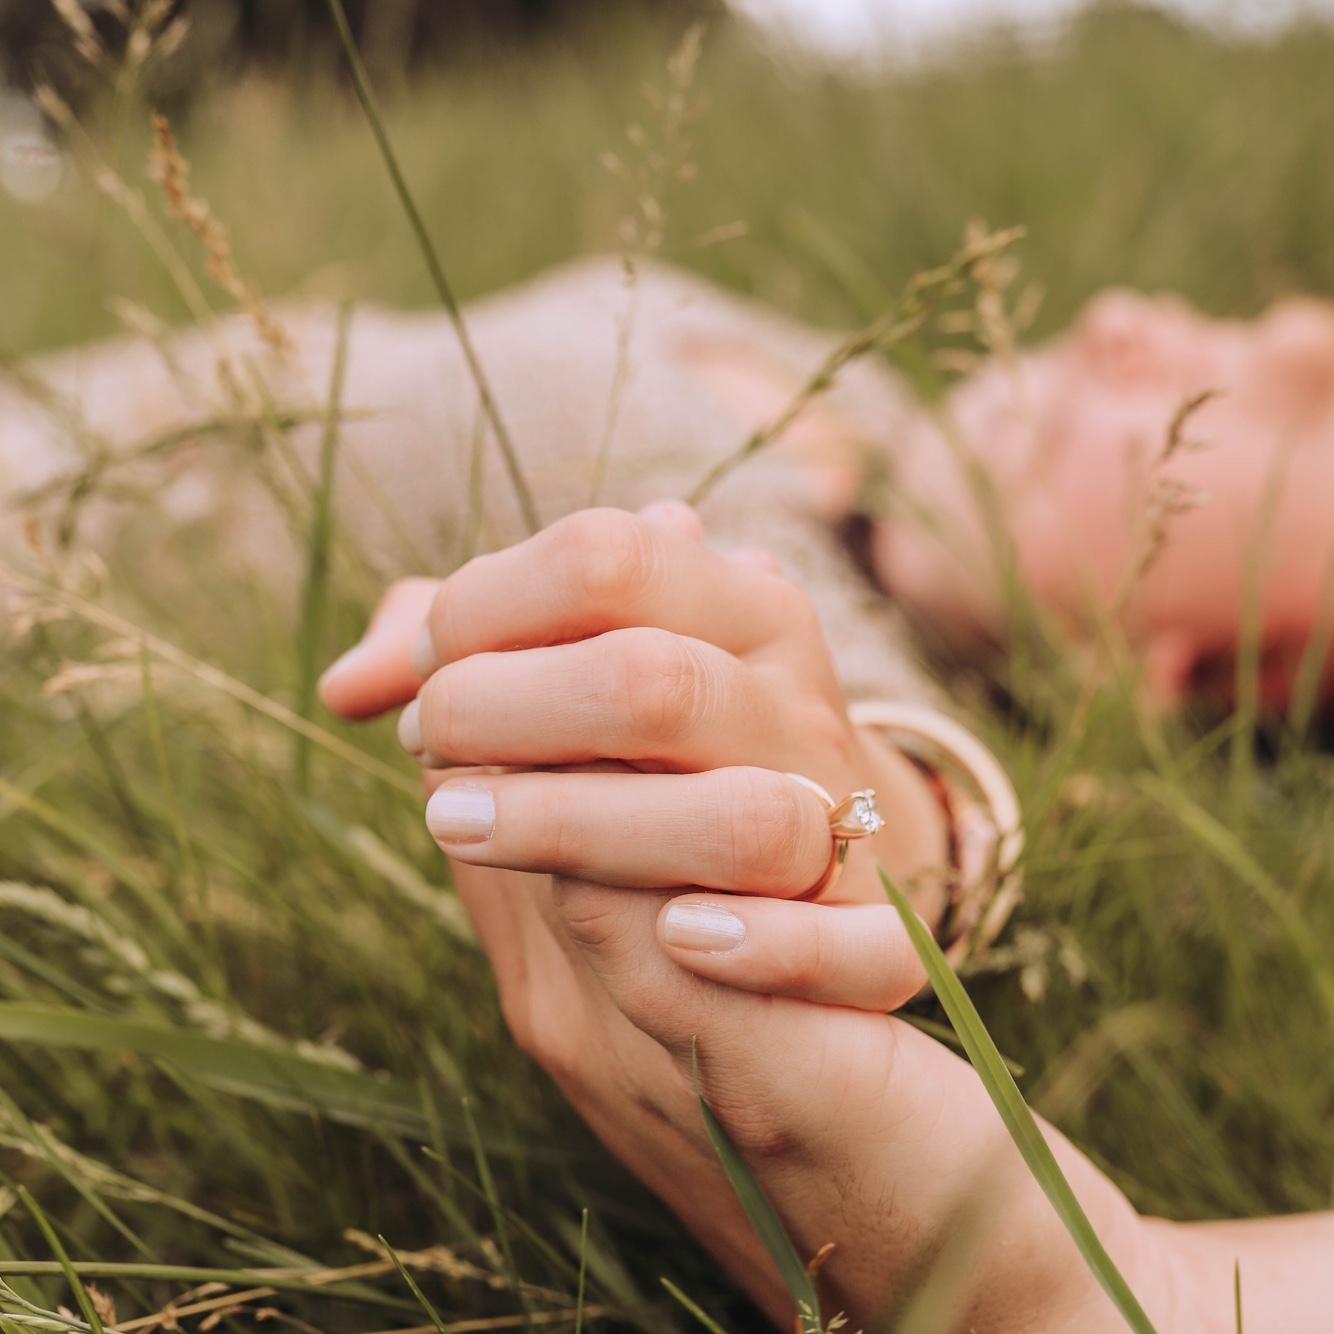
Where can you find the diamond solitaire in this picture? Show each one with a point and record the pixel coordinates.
(856, 816)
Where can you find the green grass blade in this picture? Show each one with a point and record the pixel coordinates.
(191, 873)
(1019, 1121)
(583, 1272)
(361, 81)
(278, 1076)
(432, 1314)
(693, 1307)
(315, 594)
(71, 1277)
(488, 1184)
(1227, 849)
(41, 1140)
(758, 1209)
(944, 1033)
(1306, 683)
(1236, 1294)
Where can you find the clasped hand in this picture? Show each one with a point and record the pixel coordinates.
(605, 715)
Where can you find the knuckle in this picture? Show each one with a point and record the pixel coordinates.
(556, 836)
(664, 683)
(610, 551)
(441, 620)
(434, 702)
(592, 917)
(449, 630)
(444, 717)
(757, 1129)
(766, 824)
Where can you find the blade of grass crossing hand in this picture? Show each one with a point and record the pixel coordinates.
(760, 1212)
(1019, 1121)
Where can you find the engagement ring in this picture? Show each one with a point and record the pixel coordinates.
(856, 816)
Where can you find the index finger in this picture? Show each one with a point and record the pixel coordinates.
(594, 571)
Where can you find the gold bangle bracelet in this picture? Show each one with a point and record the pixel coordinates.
(982, 812)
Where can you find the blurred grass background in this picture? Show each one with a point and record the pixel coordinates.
(1165, 1016)
(1140, 152)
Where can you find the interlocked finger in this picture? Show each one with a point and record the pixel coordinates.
(640, 695)
(743, 829)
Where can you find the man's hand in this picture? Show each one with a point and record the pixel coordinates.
(608, 713)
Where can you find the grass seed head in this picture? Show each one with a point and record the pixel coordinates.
(170, 169)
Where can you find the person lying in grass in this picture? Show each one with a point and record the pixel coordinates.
(866, 1133)
(1070, 471)
(609, 715)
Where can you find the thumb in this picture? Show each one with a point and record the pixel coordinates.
(377, 674)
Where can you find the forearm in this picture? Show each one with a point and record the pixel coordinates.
(1286, 1266)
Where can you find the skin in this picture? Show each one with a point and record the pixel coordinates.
(634, 739)
(1071, 438)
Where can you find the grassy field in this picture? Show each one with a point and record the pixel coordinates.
(1165, 986)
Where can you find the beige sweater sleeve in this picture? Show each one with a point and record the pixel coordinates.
(697, 370)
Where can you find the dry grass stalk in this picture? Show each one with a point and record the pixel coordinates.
(170, 169)
(900, 323)
(86, 41)
(1168, 499)
(651, 167)
(63, 600)
(442, 1260)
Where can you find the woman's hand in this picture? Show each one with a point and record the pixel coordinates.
(641, 697)
(612, 637)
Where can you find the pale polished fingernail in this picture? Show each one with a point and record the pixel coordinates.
(423, 656)
(702, 926)
(461, 814)
(410, 728)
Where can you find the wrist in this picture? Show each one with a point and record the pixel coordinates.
(1061, 1292)
(1286, 1283)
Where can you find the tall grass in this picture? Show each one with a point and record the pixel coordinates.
(235, 1003)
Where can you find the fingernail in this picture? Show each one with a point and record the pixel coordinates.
(423, 656)
(410, 728)
(461, 814)
(348, 662)
(702, 926)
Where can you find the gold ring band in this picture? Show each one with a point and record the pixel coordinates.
(856, 816)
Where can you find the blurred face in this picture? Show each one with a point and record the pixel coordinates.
(1071, 440)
